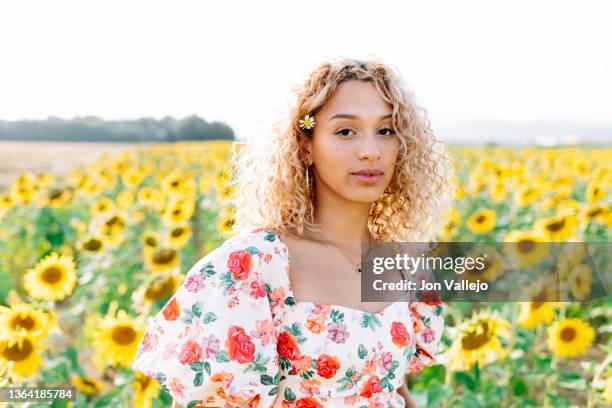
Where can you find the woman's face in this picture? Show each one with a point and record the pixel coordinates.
(353, 133)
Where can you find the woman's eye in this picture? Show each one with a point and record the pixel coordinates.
(344, 130)
(390, 131)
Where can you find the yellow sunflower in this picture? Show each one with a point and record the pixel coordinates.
(145, 390)
(534, 313)
(580, 281)
(20, 357)
(225, 225)
(53, 278)
(493, 268)
(150, 197)
(557, 228)
(162, 287)
(125, 200)
(22, 319)
(570, 337)
(543, 296)
(526, 195)
(178, 212)
(179, 235)
(595, 191)
(150, 240)
(162, 259)
(91, 244)
(498, 192)
(87, 385)
(482, 221)
(525, 248)
(102, 207)
(116, 338)
(478, 340)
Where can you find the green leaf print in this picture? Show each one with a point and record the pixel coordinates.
(289, 395)
(227, 282)
(196, 366)
(266, 379)
(270, 236)
(196, 309)
(337, 316)
(362, 351)
(252, 250)
(370, 320)
(296, 331)
(207, 367)
(259, 364)
(289, 301)
(198, 379)
(209, 317)
(222, 357)
(208, 270)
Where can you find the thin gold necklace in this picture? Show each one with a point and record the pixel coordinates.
(358, 265)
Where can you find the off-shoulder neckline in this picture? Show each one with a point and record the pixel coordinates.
(313, 302)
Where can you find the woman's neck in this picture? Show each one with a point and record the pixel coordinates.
(343, 223)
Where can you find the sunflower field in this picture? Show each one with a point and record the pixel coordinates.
(86, 258)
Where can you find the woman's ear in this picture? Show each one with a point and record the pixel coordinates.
(306, 150)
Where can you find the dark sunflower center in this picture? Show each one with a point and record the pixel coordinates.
(164, 256)
(481, 219)
(14, 353)
(114, 221)
(144, 381)
(174, 183)
(593, 212)
(475, 340)
(177, 212)
(27, 323)
(52, 274)
(177, 232)
(150, 241)
(525, 246)
(55, 194)
(160, 289)
(555, 226)
(123, 335)
(93, 245)
(568, 334)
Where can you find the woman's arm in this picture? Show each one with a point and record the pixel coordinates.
(403, 391)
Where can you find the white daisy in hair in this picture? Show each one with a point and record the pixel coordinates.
(308, 122)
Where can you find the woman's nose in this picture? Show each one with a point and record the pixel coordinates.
(368, 147)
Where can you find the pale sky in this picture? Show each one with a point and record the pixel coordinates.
(236, 61)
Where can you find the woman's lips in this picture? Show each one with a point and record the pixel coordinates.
(367, 180)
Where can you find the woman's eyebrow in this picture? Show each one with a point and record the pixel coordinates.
(348, 116)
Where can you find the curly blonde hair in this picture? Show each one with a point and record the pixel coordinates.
(270, 184)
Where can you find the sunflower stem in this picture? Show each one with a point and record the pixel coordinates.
(598, 371)
(508, 367)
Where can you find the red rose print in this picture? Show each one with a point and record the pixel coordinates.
(399, 334)
(239, 345)
(287, 346)
(307, 403)
(190, 352)
(239, 264)
(327, 365)
(371, 386)
(172, 310)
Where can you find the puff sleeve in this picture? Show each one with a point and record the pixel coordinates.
(213, 342)
(428, 324)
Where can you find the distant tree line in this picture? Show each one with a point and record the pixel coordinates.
(94, 129)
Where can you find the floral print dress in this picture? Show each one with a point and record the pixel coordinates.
(233, 335)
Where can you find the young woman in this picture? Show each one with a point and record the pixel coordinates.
(273, 317)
